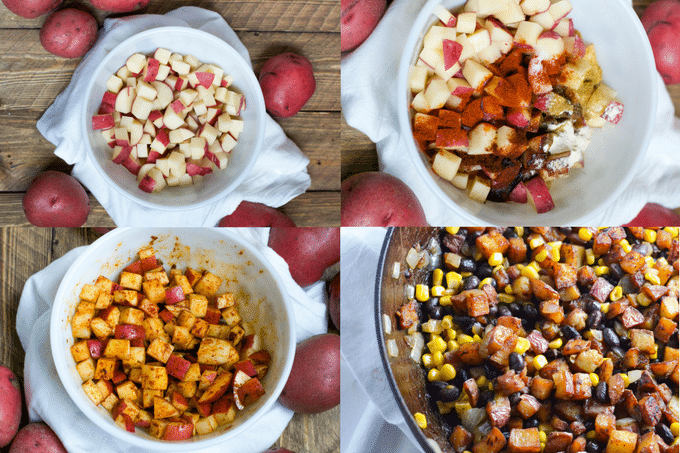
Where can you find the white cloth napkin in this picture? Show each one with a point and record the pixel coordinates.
(278, 176)
(369, 77)
(47, 399)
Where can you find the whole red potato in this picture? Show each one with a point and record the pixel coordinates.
(249, 214)
(69, 33)
(379, 199)
(36, 438)
(287, 82)
(334, 300)
(358, 18)
(55, 199)
(10, 406)
(308, 251)
(655, 215)
(31, 9)
(120, 6)
(314, 382)
(661, 20)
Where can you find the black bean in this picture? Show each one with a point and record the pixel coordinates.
(485, 397)
(589, 424)
(436, 312)
(610, 338)
(570, 333)
(531, 423)
(591, 447)
(551, 354)
(503, 310)
(665, 433)
(594, 319)
(592, 306)
(510, 233)
(506, 434)
(433, 387)
(601, 392)
(471, 282)
(616, 271)
(467, 265)
(484, 270)
(462, 375)
(493, 310)
(515, 309)
(516, 362)
(449, 393)
(514, 399)
(529, 312)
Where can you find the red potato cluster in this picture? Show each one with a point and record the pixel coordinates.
(37, 438)
(10, 406)
(357, 21)
(31, 9)
(249, 214)
(379, 199)
(170, 119)
(55, 199)
(120, 6)
(165, 351)
(69, 33)
(661, 20)
(287, 82)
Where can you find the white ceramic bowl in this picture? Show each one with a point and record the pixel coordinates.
(208, 49)
(615, 151)
(263, 301)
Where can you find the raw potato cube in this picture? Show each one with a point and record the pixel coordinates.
(86, 369)
(621, 442)
(80, 351)
(92, 391)
(214, 351)
(208, 285)
(89, 293)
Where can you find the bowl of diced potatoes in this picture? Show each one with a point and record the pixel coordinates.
(173, 339)
(174, 118)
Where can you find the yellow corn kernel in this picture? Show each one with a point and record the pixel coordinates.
(452, 345)
(421, 421)
(541, 256)
(452, 230)
(447, 372)
(601, 270)
(445, 300)
(522, 345)
(433, 375)
(465, 274)
(437, 277)
(476, 338)
(486, 281)
(604, 308)
(625, 245)
(656, 352)
(590, 257)
(427, 360)
(675, 427)
(600, 262)
(584, 234)
(643, 300)
(616, 294)
(461, 406)
(652, 277)
(519, 231)
(453, 280)
(555, 344)
(536, 242)
(540, 361)
(508, 291)
(463, 338)
(529, 272)
(594, 379)
(437, 345)
(626, 380)
(450, 334)
(482, 381)
(543, 437)
(437, 291)
(506, 298)
(649, 235)
(447, 322)
(674, 234)
(590, 435)
(495, 259)
(519, 266)
(545, 428)
(555, 250)
(422, 292)
(490, 386)
(437, 358)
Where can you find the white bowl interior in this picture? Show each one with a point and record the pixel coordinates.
(262, 297)
(208, 49)
(627, 62)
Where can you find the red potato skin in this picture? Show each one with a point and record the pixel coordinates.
(10, 406)
(30, 9)
(287, 82)
(69, 33)
(308, 251)
(654, 215)
(55, 199)
(358, 19)
(249, 214)
(120, 6)
(334, 300)
(661, 20)
(37, 438)
(314, 382)
(379, 199)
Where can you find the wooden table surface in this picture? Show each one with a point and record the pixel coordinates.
(359, 154)
(27, 250)
(31, 78)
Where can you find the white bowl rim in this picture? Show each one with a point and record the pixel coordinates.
(463, 215)
(88, 408)
(259, 101)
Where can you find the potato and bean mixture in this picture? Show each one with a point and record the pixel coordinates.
(548, 339)
(165, 351)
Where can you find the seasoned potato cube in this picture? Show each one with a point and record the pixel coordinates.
(162, 408)
(621, 442)
(524, 441)
(187, 389)
(89, 293)
(231, 316)
(206, 425)
(154, 291)
(208, 285)
(105, 387)
(192, 276)
(148, 307)
(181, 280)
(148, 396)
(80, 324)
(105, 368)
(236, 334)
(86, 369)
(200, 328)
(80, 351)
(158, 275)
(117, 349)
(127, 407)
(103, 301)
(104, 285)
(111, 315)
(181, 337)
(158, 428)
(186, 319)
(225, 300)
(198, 305)
(110, 402)
(214, 351)
(126, 297)
(643, 340)
(604, 425)
(129, 315)
(100, 328)
(130, 280)
(193, 373)
(92, 391)
(218, 331)
(154, 377)
(160, 350)
(128, 390)
(136, 358)
(153, 328)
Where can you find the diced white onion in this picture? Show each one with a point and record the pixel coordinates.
(387, 324)
(392, 349)
(412, 258)
(396, 270)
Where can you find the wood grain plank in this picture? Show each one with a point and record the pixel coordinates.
(31, 78)
(312, 433)
(271, 15)
(308, 209)
(24, 153)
